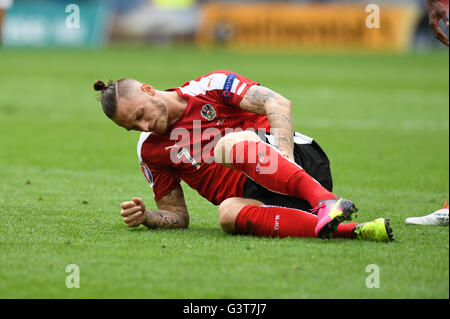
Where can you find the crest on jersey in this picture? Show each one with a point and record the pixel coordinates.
(147, 174)
(208, 112)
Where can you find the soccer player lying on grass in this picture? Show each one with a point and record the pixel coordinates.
(214, 133)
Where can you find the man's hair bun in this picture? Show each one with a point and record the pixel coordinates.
(99, 86)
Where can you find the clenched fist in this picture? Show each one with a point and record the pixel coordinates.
(133, 213)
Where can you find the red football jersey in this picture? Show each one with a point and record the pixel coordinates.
(185, 151)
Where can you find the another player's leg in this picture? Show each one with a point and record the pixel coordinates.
(260, 161)
(437, 218)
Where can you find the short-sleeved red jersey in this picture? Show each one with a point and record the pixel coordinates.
(185, 151)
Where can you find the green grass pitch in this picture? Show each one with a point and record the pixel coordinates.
(65, 168)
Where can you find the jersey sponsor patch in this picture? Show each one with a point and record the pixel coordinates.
(148, 175)
(208, 112)
(226, 92)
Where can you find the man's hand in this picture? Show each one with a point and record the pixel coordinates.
(133, 213)
(436, 12)
(171, 213)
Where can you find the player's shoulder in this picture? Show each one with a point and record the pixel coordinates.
(218, 75)
(142, 138)
(151, 148)
(218, 80)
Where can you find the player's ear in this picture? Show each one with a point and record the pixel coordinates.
(148, 89)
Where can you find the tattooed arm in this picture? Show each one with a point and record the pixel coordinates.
(436, 12)
(172, 212)
(261, 100)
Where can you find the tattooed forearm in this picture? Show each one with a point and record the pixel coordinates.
(172, 211)
(164, 219)
(280, 120)
(261, 100)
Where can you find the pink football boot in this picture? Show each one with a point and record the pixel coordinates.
(331, 213)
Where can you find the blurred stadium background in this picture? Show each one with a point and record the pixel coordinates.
(264, 24)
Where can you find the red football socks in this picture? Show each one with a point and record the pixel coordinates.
(265, 165)
(345, 231)
(274, 221)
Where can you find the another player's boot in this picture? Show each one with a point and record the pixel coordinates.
(438, 218)
(377, 230)
(330, 214)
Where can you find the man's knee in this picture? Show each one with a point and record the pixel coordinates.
(229, 210)
(224, 145)
(227, 214)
